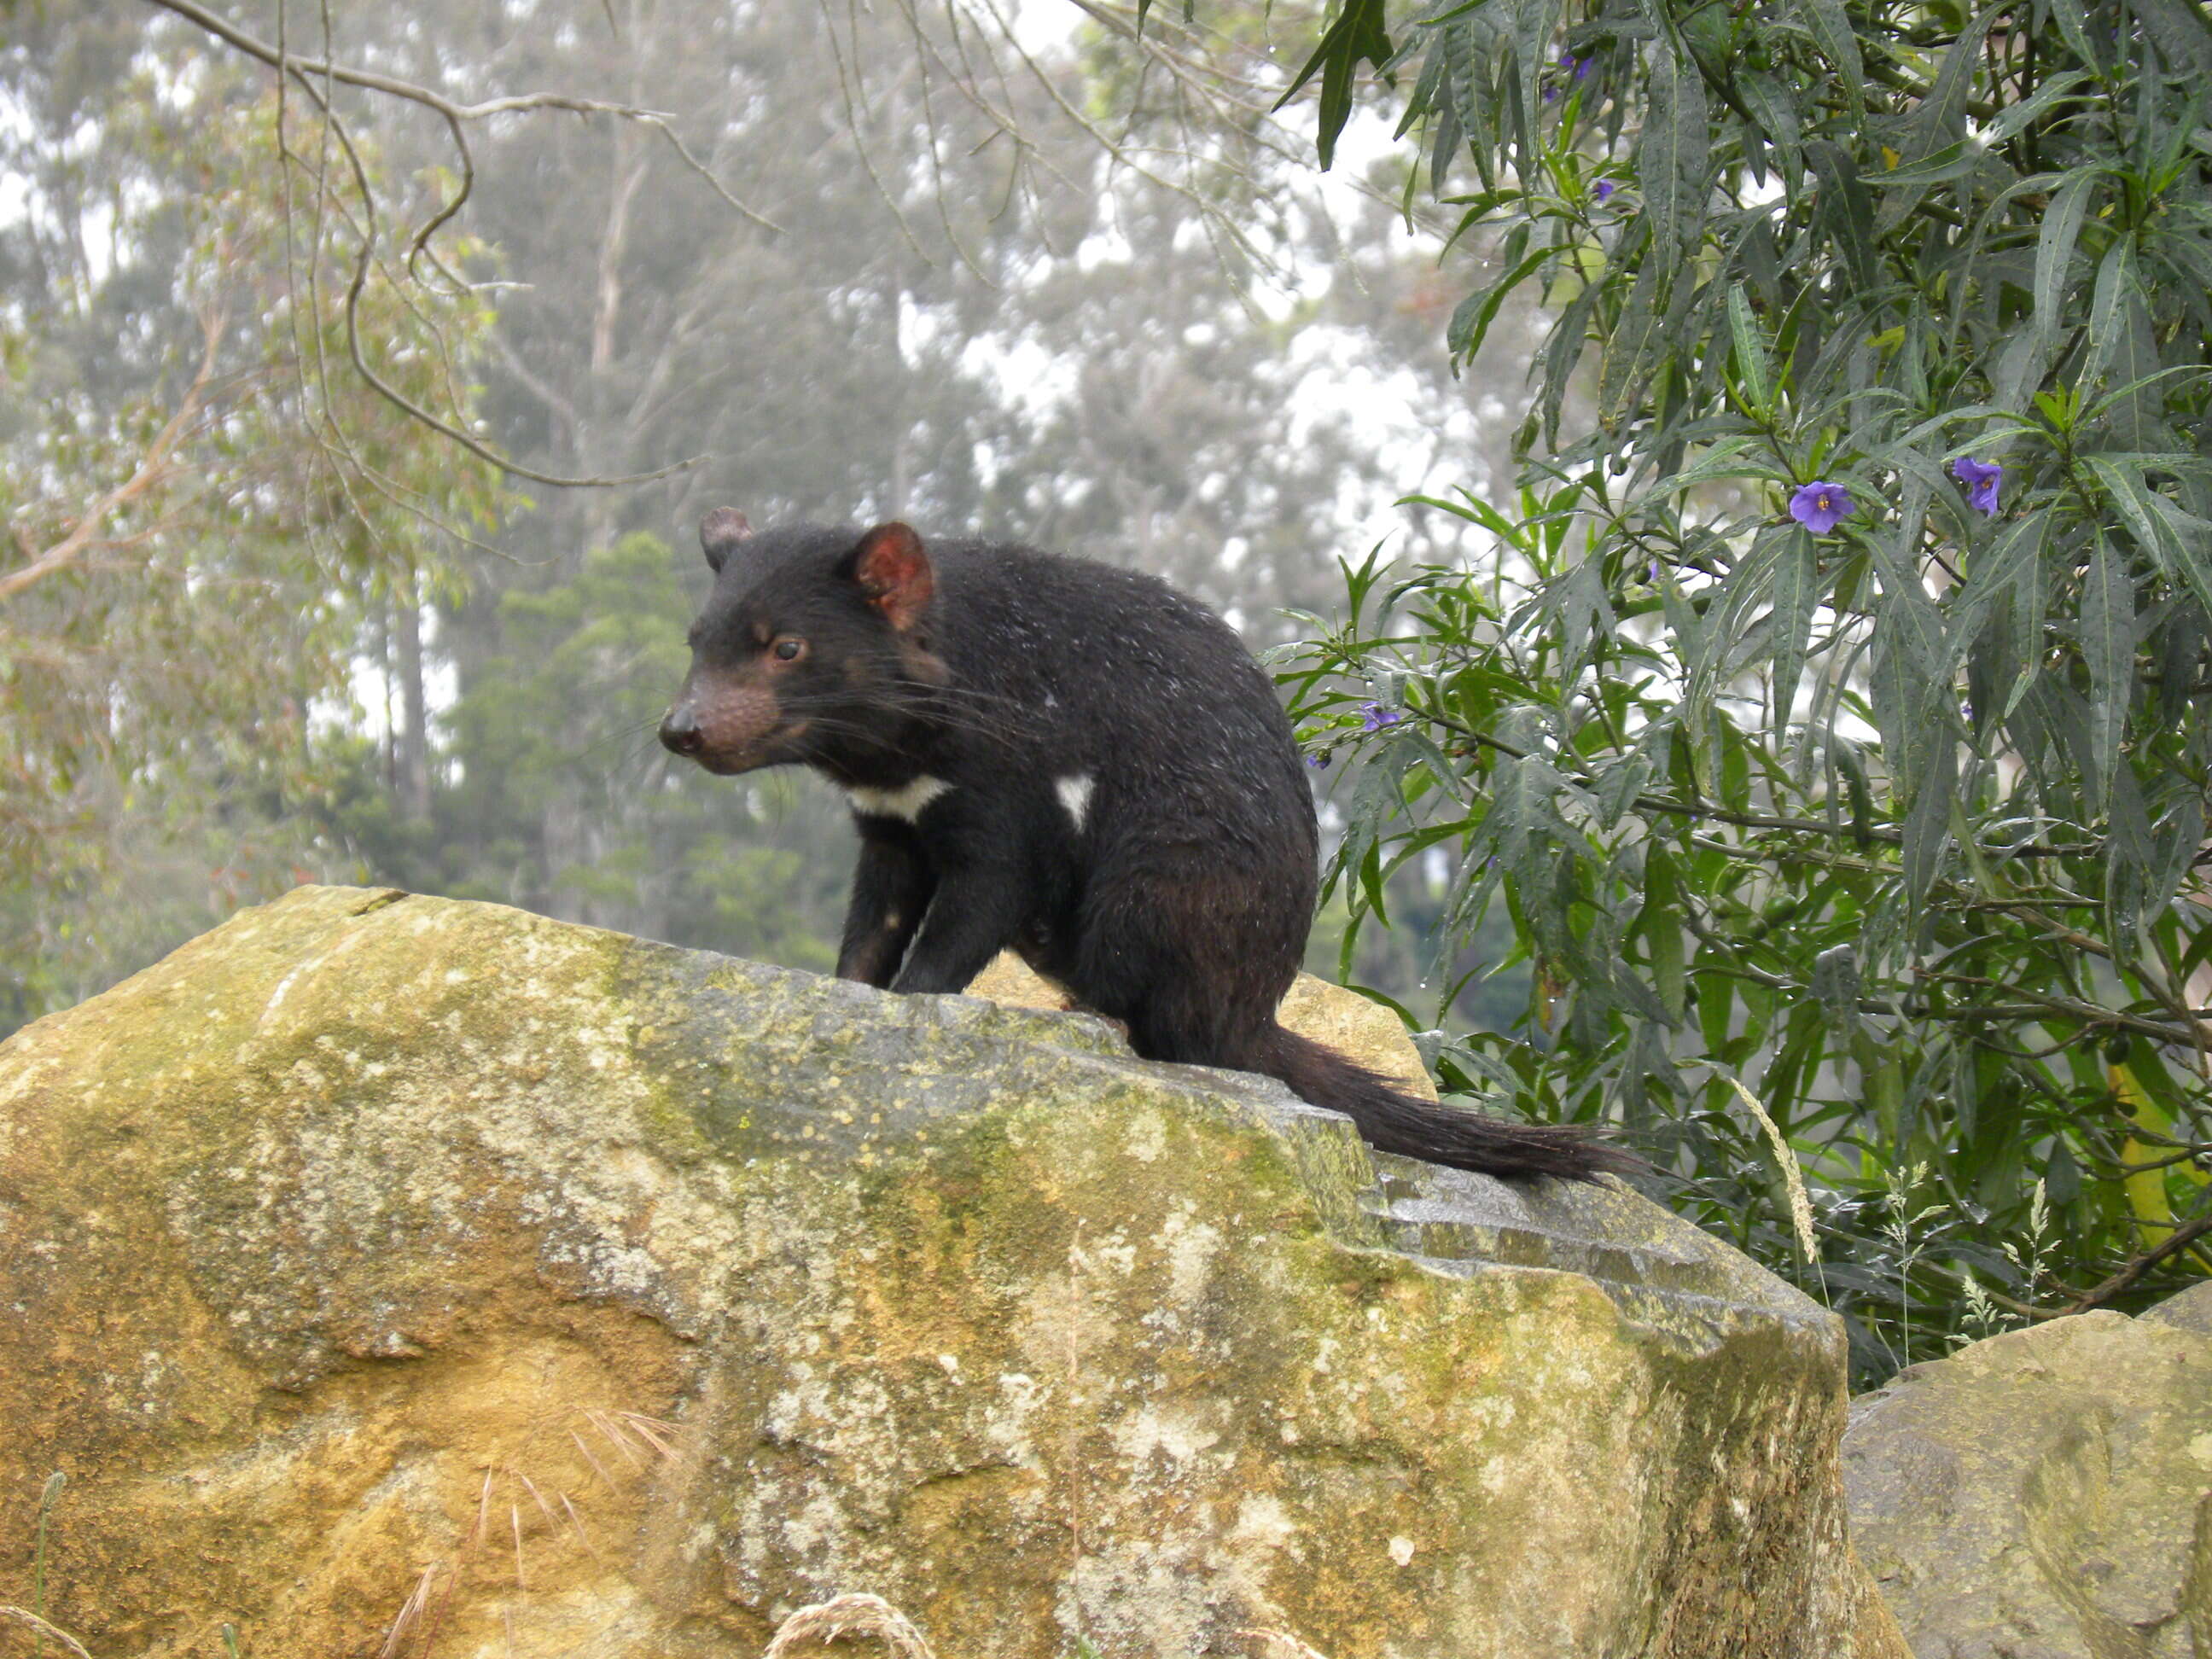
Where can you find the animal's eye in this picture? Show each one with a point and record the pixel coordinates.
(789, 649)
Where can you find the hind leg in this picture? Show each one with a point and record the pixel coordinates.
(1193, 966)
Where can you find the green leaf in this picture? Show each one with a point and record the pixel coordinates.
(2009, 575)
(1358, 34)
(2182, 31)
(2016, 117)
(1774, 107)
(1533, 23)
(1845, 205)
(2175, 539)
(1471, 320)
(2116, 275)
(1731, 458)
(2074, 25)
(1660, 923)
(1927, 825)
(1934, 141)
(2054, 249)
(2108, 646)
(1750, 351)
(1836, 987)
(1796, 595)
(1432, 94)
(1671, 156)
(1626, 364)
(1942, 115)
(1830, 25)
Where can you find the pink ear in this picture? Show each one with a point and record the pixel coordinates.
(720, 533)
(894, 574)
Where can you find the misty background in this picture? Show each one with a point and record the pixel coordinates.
(1011, 272)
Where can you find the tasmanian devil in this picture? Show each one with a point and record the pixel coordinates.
(1062, 757)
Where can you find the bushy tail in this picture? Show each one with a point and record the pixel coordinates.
(1392, 1120)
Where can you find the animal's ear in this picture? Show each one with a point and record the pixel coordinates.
(720, 533)
(893, 575)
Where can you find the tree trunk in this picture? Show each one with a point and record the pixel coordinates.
(413, 745)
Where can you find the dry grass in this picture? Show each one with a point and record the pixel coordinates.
(39, 1627)
(845, 1617)
(1276, 1644)
(1801, 1206)
(629, 1437)
(410, 1616)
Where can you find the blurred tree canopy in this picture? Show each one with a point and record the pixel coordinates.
(1831, 720)
(1078, 299)
(202, 512)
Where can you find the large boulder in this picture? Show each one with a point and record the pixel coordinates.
(2047, 1494)
(390, 1274)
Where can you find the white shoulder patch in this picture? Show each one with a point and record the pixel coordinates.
(905, 802)
(1074, 794)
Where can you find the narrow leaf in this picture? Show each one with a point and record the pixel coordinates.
(1836, 987)
(2054, 249)
(1671, 159)
(1775, 108)
(1927, 827)
(1830, 25)
(1796, 595)
(1750, 351)
(2108, 646)
(1358, 34)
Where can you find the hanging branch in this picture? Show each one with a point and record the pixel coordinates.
(315, 77)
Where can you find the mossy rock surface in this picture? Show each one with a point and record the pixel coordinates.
(2047, 1494)
(379, 1259)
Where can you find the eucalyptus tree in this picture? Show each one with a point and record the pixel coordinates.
(201, 516)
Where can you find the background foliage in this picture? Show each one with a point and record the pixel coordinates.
(1892, 821)
(323, 643)
(204, 513)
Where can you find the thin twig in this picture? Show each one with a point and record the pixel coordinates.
(2174, 1243)
(153, 468)
(307, 74)
(231, 34)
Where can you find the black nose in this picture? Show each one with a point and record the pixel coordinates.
(680, 731)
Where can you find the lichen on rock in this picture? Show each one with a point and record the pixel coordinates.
(2046, 1494)
(378, 1260)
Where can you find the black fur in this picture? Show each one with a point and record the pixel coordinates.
(1179, 904)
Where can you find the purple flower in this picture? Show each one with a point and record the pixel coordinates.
(1981, 479)
(1603, 188)
(1374, 717)
(1576, 69)
(1318, 760)
(1818, 506)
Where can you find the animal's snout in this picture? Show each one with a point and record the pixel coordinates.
(680, 731)
(725, 725)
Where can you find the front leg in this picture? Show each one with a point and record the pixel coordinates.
(975, 912)
(891, 886)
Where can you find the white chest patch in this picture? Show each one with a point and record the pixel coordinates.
(1074, 794)
(905, 802)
